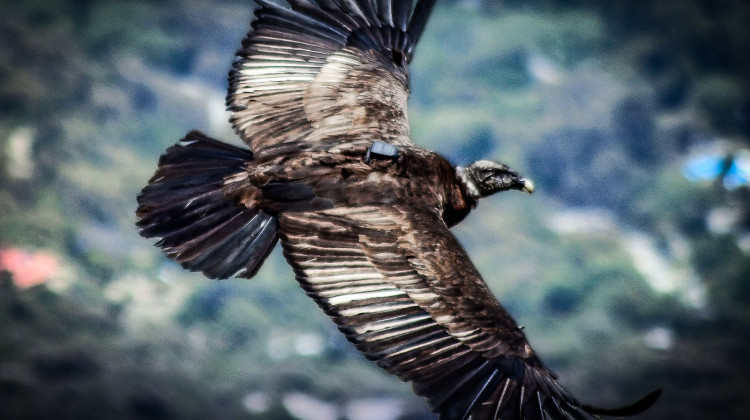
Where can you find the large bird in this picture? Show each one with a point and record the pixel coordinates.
(318, 92)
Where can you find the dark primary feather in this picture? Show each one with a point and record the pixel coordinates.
(418, 21)
(385, 11)
(314, 86)
(401, 11)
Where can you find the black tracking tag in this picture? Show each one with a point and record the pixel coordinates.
(380, 150)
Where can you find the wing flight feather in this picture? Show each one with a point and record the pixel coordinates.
(316, 75)
(411, 303)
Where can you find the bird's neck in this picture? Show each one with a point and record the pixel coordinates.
(467, 183)
(459, 200)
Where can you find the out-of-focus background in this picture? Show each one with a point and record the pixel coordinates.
(629, 268)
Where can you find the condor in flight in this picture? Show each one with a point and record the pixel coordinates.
(318, 92)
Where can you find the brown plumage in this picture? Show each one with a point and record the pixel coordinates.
(319, 94)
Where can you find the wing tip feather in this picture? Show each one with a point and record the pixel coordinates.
(637, 407)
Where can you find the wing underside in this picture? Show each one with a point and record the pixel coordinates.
(324, 73)
(379, 288)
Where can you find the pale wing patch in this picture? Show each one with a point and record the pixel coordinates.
(378, 315)
(353, 95)
(368, 270)
(425, 280)
(329, 108)
(287, 89)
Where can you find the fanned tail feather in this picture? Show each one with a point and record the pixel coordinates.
(184, 204)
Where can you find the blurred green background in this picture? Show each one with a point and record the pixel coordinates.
(630, 268)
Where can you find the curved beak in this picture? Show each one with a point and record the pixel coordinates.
(528, 185)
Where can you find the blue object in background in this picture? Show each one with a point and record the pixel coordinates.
(733, 170)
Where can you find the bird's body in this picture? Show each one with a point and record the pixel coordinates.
(362, 213)
(341, 178)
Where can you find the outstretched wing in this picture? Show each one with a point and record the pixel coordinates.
(325, 73)
(403, 290)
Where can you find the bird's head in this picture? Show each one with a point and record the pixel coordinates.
(484, 177)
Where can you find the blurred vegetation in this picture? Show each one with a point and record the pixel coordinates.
(599, 102)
